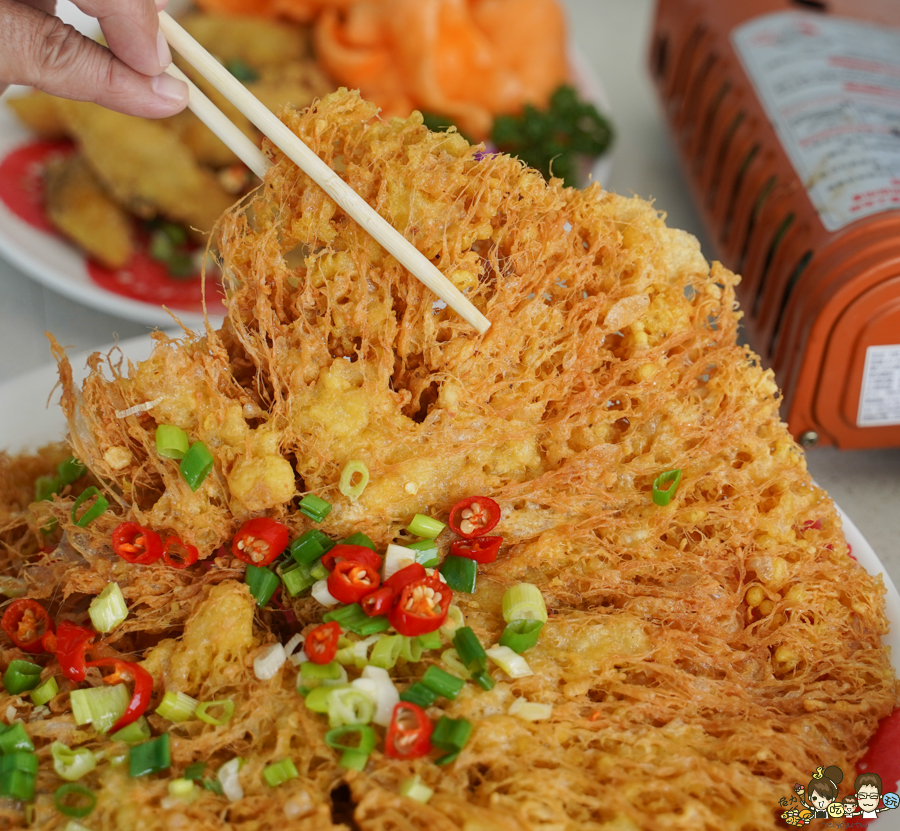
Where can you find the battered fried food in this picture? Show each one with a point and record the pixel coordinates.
(678, 702)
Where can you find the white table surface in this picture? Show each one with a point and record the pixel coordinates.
(613, 36)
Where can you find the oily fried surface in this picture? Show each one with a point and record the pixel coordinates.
(611, 358)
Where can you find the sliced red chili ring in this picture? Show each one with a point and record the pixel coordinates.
(136, 544)
(321, 643)
(474, 516)
(421, 607)
(347, 551)
(143, 688)
(26, 622)
(72, 642)
(178, 554)
(259, 541)
(479, 549)
(378, 602)
(409, 733)
(351, 581)
(407, 574)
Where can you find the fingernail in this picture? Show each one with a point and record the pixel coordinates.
(162, 50)
(161, 4)
(170, 89)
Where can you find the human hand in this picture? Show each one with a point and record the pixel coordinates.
(38, 49)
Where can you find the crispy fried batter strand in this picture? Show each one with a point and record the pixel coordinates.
(679, 700)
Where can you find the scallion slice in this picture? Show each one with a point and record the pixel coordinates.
(530, 710)
(18, 784)
(15, 738)
(21, 676)
(417, 693)
(70, 470)
(415, 788)
(354, 478)
(442, 683)
(313, 675)
(227, 777)
(177, 706)
(73, 800)
(150, 757)
(195, 771)
(386, 652)
(316, 508)
(318, 571)
(425, 526)
(665, 485)
(521, 635)
(353, 756)
(483, 678)
(411, 649)
(227, 708)
(453, 621)
(524, 601)
(196, 465)
(21, 760)
(296, 578)
(183, 789)
(45, 692)
(171, 441)
(279, 772)
(460, 573)
(262, 582)
(451, 734)
(100, 706)
(359, 538)
(377, 683)
(71, 764)
(354, 619)
(430, 640)
(423, 546)
(308, 547)
(108, 609)
(470, 650)
(397, 557)
(450, 658)
(349, 705)
(137, 731)
(93, 511)
(513, 664)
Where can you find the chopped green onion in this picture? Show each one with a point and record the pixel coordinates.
(377, 683)
(359, 538)
(347, 486)
(279, 772)
(202, 711)
(317, 698)
(171, 441)
(451, 733)
(530, 710)
(262, 582)
(417, 693)
(73, 800)
(520, 635)
(213, 786)
(318, 571)
(15, 738)
(524, 601)
(665, 485)
(72, 825)
(100, 706)
(195, 771)
(396, 558)
(422, 546)
(313, 675)
(414, 788)
(17, 784)
(355, 652)
(244, 73)
(386, 652)
(425, 526)
(483, 678)
(196, 465)
(470, 650)
(320, 592)
(137, 731)
(100, 505)
(108, 609)
(183, 789)
(296, 578)
(316, 508)
(513, 664)
(430, 640)
(460, 573)
(45, 692)
(150, 757)
(177, 706)
(443, 683)
(45, 487)
(20, 760)
(354, 619)
(453, 621)
(353, 757)
(411, 649)
(308, 547)
(227, 775)
(71, 764)
(450, 658)
(349, 705)
(21, 676)
(428, 558)
(70, 470)
(448, 758)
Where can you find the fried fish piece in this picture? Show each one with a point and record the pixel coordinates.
(145, 166)
(80, 208)
(37, 111)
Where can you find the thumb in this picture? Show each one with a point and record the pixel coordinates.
(39, 50)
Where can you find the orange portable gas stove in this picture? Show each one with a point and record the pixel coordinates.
(787, 119)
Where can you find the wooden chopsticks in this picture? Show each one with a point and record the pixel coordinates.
(294, 148)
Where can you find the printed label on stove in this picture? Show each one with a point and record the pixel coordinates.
(831, 88)
(879, 398)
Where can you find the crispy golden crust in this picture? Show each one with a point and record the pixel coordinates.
(678, 701)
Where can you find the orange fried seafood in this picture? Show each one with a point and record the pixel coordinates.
(699, 657)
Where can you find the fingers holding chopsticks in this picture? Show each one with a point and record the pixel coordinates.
(38, 49)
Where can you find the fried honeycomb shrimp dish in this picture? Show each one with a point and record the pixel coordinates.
(706, 638)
